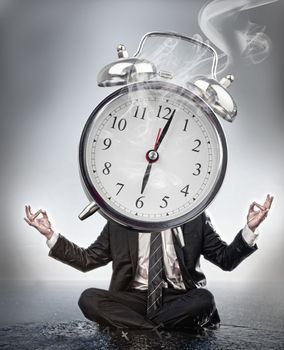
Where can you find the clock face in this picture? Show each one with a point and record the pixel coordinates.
(152, 156)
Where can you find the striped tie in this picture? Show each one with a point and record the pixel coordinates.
(155, 274)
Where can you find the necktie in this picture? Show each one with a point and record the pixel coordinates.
(155, 274)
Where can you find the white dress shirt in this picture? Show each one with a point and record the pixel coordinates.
(171, 265)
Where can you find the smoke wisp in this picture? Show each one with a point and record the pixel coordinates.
(227, 25)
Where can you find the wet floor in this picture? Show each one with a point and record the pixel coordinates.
(36, 315)
(75, 335)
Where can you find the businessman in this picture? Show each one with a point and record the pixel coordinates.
(156, 277)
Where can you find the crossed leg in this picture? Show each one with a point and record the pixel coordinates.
(127, 309)
(115, 309)
(187, 309)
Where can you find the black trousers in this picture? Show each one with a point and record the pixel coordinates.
(127, 309)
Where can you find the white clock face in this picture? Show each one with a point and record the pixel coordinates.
(153, 156)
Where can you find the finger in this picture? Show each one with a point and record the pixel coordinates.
(36, 214)
(29, 222)
(27, 209)
(29, 213)
(260, 206)
(263, 215)
(251, 207)
(259, 216)
(267, 201)
(265, 211)
(40, 211)
(270, 201)
(30, 210)
(44, 214)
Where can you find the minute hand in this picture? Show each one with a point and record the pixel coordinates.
(163, 133)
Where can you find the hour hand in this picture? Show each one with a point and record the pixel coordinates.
(146, 177)
(151, 156)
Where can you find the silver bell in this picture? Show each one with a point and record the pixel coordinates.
(216, 95)
(126, 70)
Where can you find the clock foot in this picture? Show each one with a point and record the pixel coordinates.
(90, 209)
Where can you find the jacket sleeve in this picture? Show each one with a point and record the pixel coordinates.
(226, 256)
(83, 259)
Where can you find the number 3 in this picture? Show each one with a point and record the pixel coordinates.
(197, 169)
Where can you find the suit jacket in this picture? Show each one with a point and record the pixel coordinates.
(119, 244)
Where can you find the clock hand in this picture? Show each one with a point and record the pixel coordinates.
(151, 156)
(166, 127)
(157, 139)
(146, 177)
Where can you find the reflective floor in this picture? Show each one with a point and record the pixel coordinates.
(37, 315)
(85, 335)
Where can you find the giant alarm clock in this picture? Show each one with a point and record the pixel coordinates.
(153, 153)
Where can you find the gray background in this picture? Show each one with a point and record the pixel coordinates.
(51, 52)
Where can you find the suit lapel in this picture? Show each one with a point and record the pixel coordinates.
(187, 280)
(133, 247)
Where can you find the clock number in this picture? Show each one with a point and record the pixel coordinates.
(185, 125)
(197, 169)
(121, 187)
(185, 190)
(139, 203)
(121, 125)
(137, 112)
(106, 170)
(168, 112)
(165, 204)
(107, 143)
(198, 144)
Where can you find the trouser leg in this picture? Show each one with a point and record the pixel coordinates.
(185, 309)
(115, 309)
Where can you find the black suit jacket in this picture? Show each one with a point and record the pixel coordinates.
(119, 244)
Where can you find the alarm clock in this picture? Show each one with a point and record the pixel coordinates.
(153, 154)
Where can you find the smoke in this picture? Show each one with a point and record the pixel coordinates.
(227, 25)
(178, 59)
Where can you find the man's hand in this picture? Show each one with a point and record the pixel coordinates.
(42, 224)
(255, 217)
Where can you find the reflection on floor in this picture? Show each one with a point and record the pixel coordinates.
(76, 335)
(45, 315)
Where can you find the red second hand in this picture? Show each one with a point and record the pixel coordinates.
(157, 138)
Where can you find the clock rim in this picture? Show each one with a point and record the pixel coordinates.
(151, 226)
